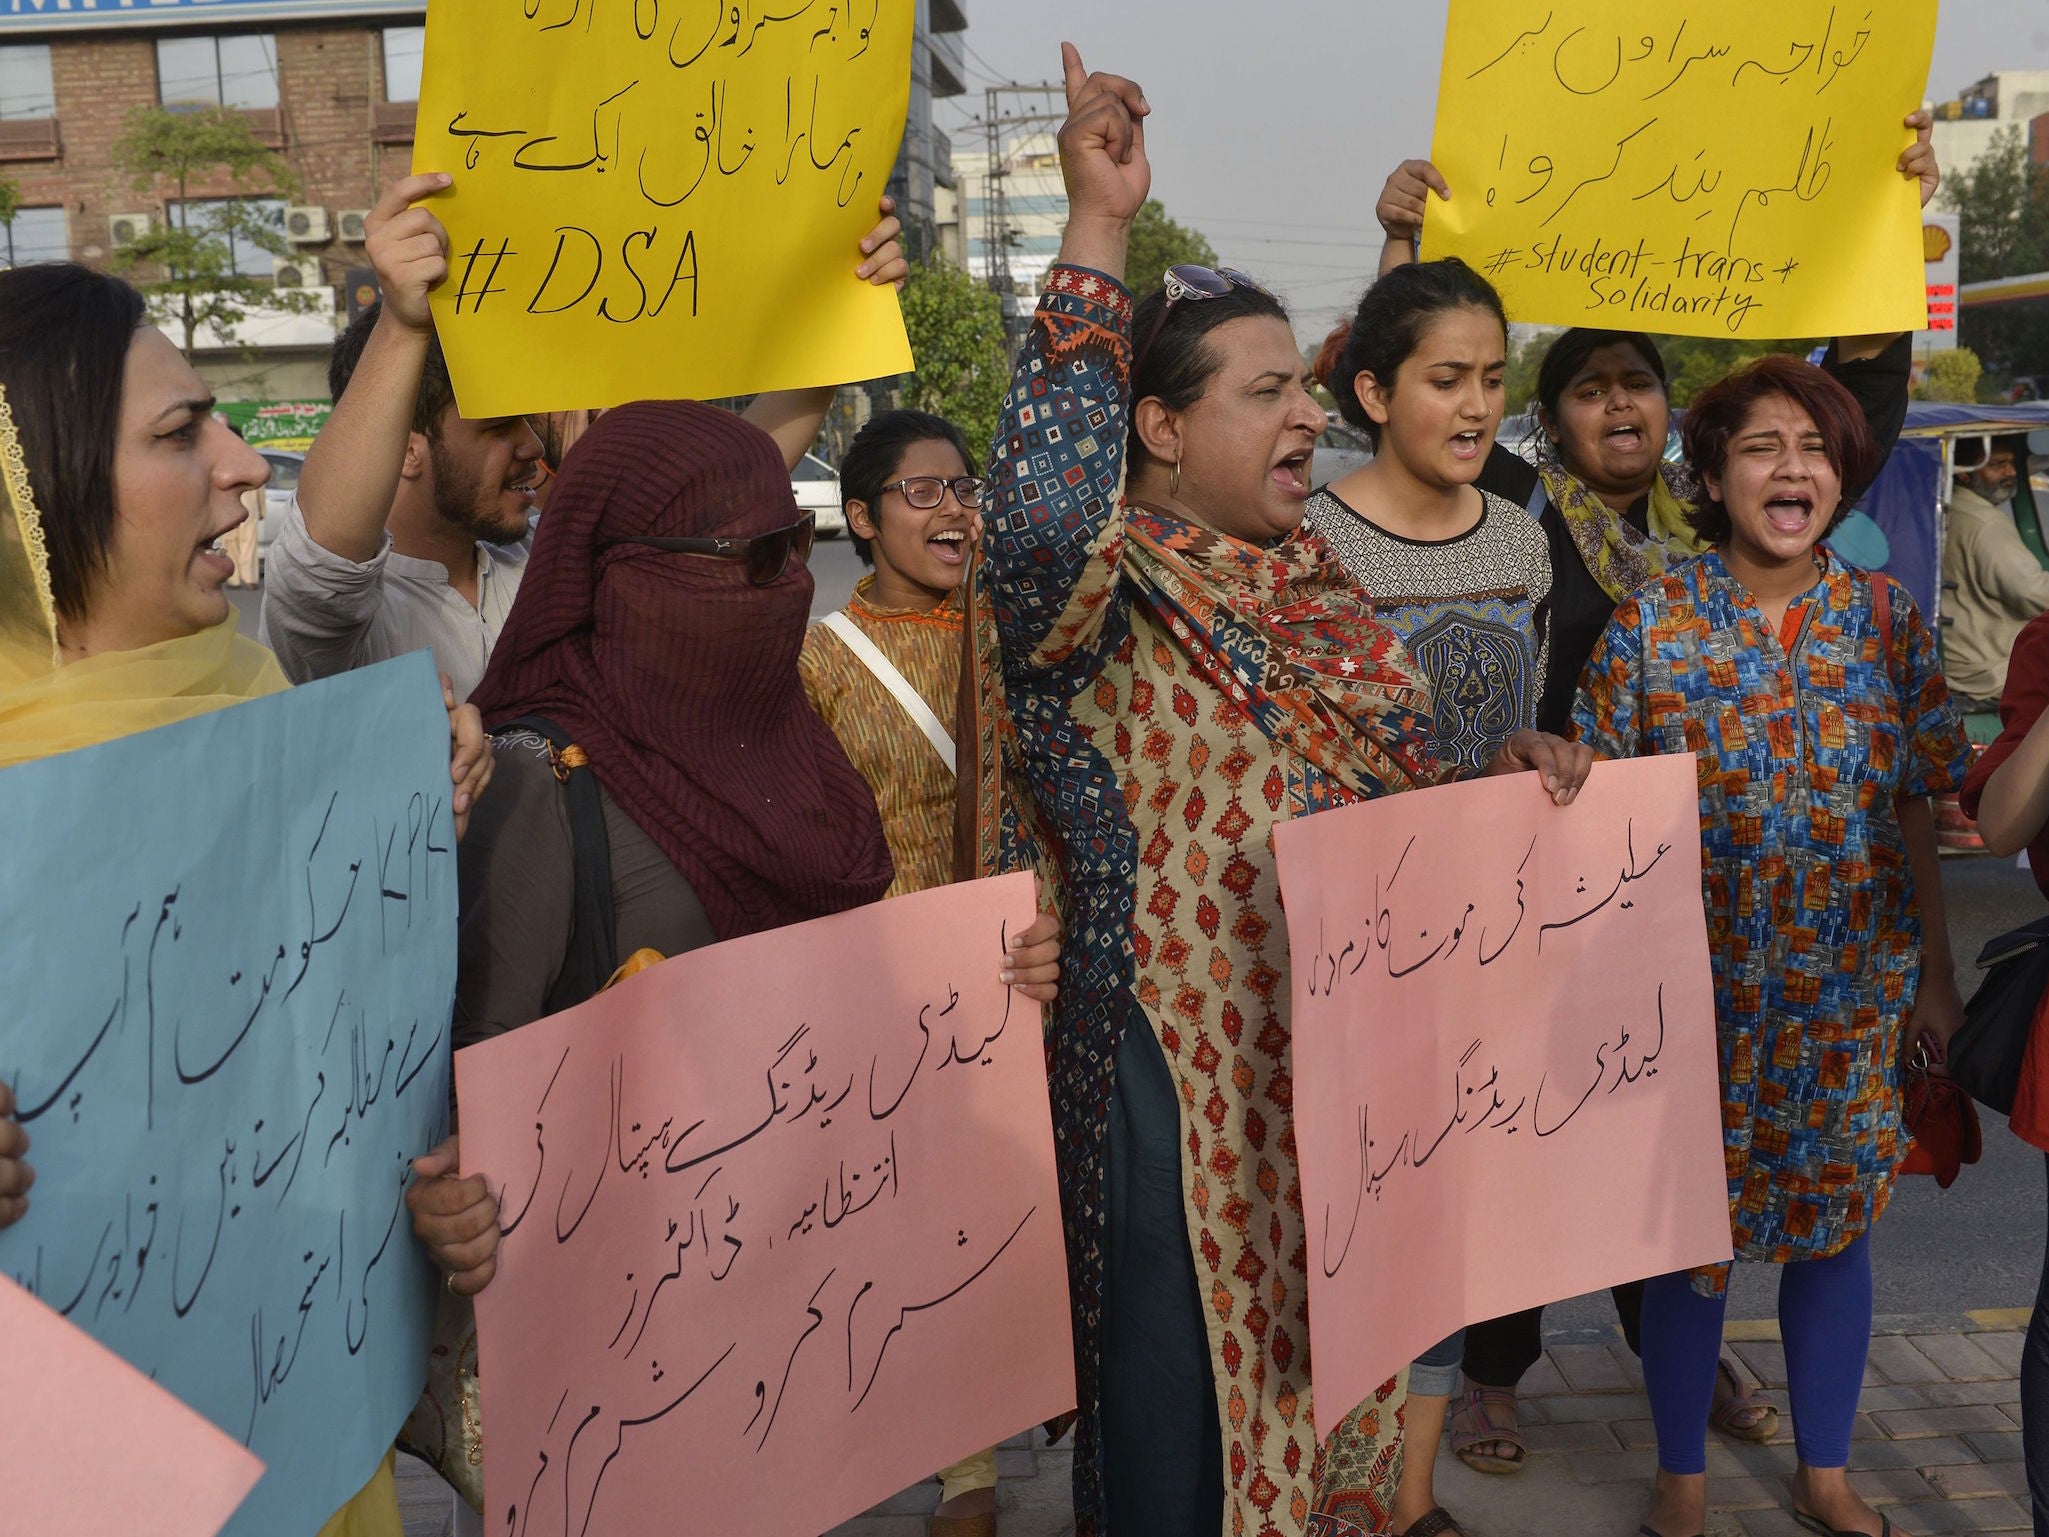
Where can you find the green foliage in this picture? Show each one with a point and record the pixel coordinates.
(1951, 376)
(10, 200)
(1692, 363)
(188, 272)
(961, 351)
(1158, 243)
(1519, 384)
(2002, 208)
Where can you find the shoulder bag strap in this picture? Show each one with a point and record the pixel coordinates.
(870, 656)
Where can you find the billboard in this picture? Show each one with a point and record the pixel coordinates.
(18, 16)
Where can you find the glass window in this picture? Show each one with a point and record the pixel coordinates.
(812, 468)
(284, 470)
(208, 215)
(236, 71)
(404, 47)
(36, 235)
(25, 89)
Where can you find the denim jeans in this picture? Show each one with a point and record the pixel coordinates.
(1435, 1373)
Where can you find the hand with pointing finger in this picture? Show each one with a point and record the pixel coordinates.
(1102, 159)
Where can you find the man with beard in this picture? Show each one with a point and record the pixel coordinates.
(411, 524)
(1992, 585)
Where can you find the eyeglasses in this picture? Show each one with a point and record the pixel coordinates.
(1193, 283)
(766, 556)
(925, 492)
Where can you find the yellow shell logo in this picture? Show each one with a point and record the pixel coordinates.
(1935, 242)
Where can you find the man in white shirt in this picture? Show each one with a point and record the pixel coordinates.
(412, 522)
(1992, 584)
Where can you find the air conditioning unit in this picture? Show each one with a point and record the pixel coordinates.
(125, 229)
(295, 271)
(351, 221)
(307, 225)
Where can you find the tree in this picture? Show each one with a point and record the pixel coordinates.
(1692, 363)
(1158, 243)
(2002, 208)
(192, 250)
(1951, 376)
(962, 353)
(10, 202)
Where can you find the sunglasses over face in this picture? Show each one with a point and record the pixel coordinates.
(765, 557)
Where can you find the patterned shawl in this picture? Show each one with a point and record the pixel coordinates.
(1283, 630)
(1616, 555)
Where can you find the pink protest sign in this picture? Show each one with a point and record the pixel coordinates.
(781, 1228)
(95, 1446)
(1506, 1088)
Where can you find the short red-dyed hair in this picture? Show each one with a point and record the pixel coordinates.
(1722, 409)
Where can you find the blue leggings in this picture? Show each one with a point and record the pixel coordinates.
(1825, 1320)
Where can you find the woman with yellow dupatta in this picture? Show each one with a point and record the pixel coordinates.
(118, 487)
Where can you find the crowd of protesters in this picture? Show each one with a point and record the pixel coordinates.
(1073, 653)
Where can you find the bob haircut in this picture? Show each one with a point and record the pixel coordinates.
(877, 452)
(65, 331)
(1713, 421)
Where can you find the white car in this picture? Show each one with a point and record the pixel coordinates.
(816, 485)
(285, 465)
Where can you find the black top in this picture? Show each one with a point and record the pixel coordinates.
(1580, 607)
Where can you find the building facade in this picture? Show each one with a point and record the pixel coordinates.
(332, 86)
(1008, 213)
(1965, 126)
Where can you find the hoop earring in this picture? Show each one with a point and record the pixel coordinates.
(1174, 480)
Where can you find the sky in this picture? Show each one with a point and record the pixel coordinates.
(1275, 122)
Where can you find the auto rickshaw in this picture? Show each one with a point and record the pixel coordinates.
(1909, 503)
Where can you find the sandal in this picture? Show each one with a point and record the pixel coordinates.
(1435, 1522)
(1485, 1417)
(1814, 1524)
(1742, 1416)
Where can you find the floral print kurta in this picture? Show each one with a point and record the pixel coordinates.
(1812, 923)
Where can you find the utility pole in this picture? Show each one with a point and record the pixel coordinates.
(1000, 130)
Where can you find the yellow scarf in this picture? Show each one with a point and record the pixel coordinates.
(1616, 555)
(48, 706)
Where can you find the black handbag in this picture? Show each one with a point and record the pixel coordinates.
(1985, 1055)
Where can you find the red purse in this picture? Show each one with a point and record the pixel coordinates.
(1941, 1119)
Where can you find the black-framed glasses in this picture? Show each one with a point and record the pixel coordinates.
(765, 556)
(925, 492)
(1191, 282)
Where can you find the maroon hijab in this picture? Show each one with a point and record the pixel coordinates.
(679, 679)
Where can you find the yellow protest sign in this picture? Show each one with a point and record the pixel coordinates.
(1704, 167)
(661, 199)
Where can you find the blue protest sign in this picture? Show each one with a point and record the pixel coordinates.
(230, 962)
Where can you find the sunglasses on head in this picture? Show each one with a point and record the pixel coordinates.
(1195, 284)
(925, 492)
(765, 556)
